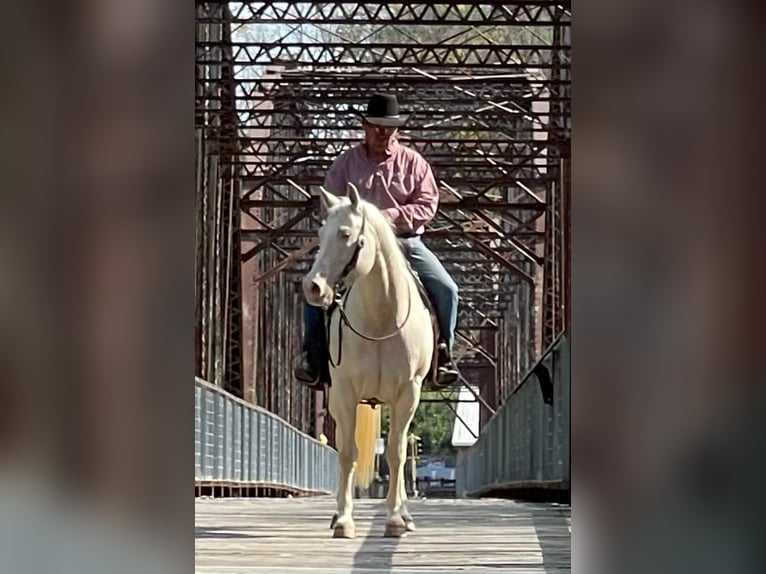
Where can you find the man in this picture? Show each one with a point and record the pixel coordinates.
(400, 182)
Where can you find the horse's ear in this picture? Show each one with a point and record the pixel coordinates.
(353, 195)
(327, 199)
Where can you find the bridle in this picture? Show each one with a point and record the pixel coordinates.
(342, 292)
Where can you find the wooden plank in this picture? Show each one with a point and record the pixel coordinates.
(293, 535)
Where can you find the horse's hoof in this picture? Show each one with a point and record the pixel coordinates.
(395, 529)
(344, 531)
(409, 525)
(334, 521)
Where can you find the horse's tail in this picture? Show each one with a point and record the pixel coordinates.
(367, 430)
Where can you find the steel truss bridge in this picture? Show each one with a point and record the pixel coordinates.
(277, 88)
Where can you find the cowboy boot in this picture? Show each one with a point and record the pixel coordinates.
(446, 373)
(311, 368)
(307, 370)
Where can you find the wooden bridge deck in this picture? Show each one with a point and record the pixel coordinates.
(287, 536)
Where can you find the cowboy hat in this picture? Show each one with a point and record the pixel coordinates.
(383, 110)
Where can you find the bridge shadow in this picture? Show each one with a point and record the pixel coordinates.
(376, 552)
(550, 523)
(556, 549)
(223, 532)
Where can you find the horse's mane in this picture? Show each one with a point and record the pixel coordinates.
(390, 243)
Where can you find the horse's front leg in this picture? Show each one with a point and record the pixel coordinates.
(344, 415)
(409, 522)
(399, 519)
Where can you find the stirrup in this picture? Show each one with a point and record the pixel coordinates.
(302, 375)
(452, 377)
(316, 384)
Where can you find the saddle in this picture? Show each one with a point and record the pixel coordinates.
(322, 348)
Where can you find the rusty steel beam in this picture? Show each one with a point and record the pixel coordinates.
(529, 13)
(469, 184)
(280, 145)
(321, 115)
(257, 234)
(489, 116)
(445, 205)
(424, 101)
(475, 346)
(466, 184)
(271, 235)
(523, 57)
(275, 269)
(497, 257)
(350, 89)
(469, 178)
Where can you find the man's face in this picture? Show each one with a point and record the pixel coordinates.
(377, 137)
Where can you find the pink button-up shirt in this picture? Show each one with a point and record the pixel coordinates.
(402, 186)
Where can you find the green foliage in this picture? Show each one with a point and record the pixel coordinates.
(433, 423)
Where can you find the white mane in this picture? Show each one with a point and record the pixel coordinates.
(389, 244)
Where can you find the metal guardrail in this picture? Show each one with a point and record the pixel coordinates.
(526, 443)
(236, 443)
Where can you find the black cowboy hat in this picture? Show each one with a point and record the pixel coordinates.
(383, 110)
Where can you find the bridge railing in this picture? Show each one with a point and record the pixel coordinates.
(525, 445)
(238, 444)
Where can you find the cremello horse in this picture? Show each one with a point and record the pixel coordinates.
(381, 344)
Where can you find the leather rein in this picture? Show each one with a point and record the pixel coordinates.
(341, 296)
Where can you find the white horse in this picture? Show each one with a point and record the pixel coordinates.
(381, 346)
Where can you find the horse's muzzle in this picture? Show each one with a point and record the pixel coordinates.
(317, 291)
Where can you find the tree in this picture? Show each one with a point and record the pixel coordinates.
(433, 423)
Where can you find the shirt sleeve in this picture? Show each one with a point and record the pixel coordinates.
(335, 179)
(422, 202)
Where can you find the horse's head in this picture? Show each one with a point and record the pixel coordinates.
(346, 248)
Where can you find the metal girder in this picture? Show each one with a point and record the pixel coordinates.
(480, 100)
(286, 146)
(347, 89)
(444, 205)
(257, 234)
(423, 95)
(500, 157)
(218, 305)
(287, 261)
(475, 169)
(473, 175)
(489, 109)
(469, 184)
(521, 58)
(439, 13)
(497, 257)
(272, 234)
(318, 95)
(471, 180)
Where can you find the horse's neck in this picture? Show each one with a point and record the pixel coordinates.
(384, 293)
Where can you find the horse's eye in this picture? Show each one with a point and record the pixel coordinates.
(345, 233)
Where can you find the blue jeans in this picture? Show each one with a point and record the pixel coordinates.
(440, 286)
